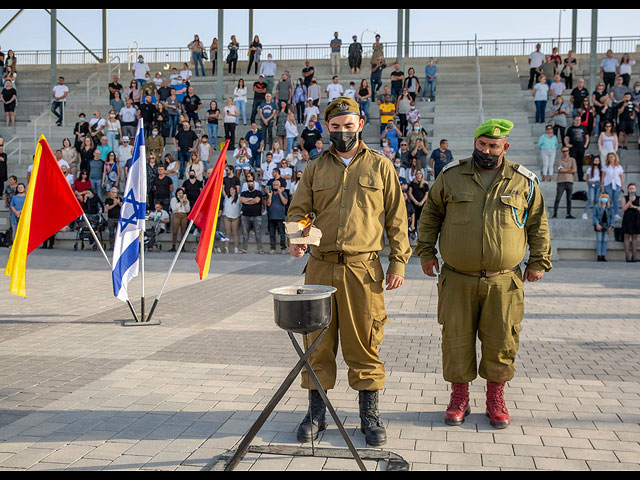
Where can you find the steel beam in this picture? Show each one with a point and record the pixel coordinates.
(593, 70)
(54, 46)
(11, 21)
(74, 37)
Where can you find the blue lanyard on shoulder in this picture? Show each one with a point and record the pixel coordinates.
(526, 213)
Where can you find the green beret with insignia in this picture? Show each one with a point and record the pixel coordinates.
(341, 106)
(494, 128)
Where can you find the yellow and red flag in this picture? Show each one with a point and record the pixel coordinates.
(49, 205)
(205, 213)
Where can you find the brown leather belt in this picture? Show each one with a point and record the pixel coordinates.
(483, 273)
(343, 259)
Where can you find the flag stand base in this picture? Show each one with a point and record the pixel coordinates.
(133, 323)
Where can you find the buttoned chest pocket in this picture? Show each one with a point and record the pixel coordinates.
(324, 192)
(369, 193)
(512, 208)
(459, 207)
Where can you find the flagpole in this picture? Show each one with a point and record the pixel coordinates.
(142, 274)
(95, 239)
(173, 263)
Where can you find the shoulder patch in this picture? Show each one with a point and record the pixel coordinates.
(526, 172)
(449, 165)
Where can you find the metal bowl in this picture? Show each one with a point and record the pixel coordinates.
(302, 308)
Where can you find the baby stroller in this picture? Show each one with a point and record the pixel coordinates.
(83, 233)
(151, 235)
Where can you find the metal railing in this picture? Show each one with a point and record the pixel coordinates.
(17, 150)
(421, 49)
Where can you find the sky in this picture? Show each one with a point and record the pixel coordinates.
(175, 28)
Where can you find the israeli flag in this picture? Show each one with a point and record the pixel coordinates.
(126, 251)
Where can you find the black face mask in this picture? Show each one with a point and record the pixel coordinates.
(485, 160)
(343, 141)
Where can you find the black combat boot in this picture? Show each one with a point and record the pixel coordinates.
(370, 423)
(311, 427)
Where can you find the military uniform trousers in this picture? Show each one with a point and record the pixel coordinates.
(358, 318)
(490, 308)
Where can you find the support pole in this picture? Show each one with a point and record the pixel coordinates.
(54, 46)
(399, 44)
(173, 263)
(220, 56)
(250, 26)
(574, 29)
(95, 239)
(6, 25)
(593, 70)
(406, 32)
(72, 35)
(105, 48)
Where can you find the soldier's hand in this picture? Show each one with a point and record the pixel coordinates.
(428, 268)
(532, 275)
(297, 250)
(394, 281)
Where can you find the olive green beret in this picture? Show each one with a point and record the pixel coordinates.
(341, 106)
(494, 128)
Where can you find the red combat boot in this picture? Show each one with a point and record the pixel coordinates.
(496, 407)
(458, 405)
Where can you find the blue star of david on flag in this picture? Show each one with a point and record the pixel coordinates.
(126, 250)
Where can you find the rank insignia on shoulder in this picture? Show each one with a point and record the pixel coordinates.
(526, 172)
(449, 165)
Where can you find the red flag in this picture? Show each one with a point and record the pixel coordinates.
(205, 213)
(50, 205)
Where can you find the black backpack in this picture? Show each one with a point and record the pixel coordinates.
(6, 238)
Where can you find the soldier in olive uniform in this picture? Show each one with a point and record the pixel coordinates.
(356, 196)
(485, 209)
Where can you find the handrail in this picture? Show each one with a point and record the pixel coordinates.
(113, 66)
(95, 86)
(418, 49)
(37, 134)
(131, 52)
(18, 149)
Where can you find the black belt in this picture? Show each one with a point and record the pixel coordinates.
(483, 273)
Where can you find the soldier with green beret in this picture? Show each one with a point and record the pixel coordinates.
(485, 210)
(356, 196)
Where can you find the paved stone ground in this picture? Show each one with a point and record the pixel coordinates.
(78, 391)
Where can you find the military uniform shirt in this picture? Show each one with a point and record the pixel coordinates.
(354, 205)
(476, 225)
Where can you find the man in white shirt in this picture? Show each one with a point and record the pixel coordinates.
(351, 91)
(268, 70)
(334, 89)
(139, 70)
(60, 92)
(609, 69)
(128, 119)
(310, 110)
(267, 168)
(535, 60)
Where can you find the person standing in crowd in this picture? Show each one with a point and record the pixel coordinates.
(112, 205)
(111, 174)
(291, 132)
(355, 55)
(613, 182)
(557, 87)
(12, 187)
(540, 95)
(96, 171)
(631, 222)
(535, 60)
(15, 206)
(240, 100)
(376, 76)
(310, 110)
(568, 66)
(213, 55)
(255, 141)
(566, 168)
(356, 196)
(548, 69)
(213, 115)
(268, 71)
(418, 192)
(267, 112)
(577, 139)
(259, 94)
(625, 69)
(430, 72)
(577, 96)
(603, 225)
(232, 56)
(607, 141)
(299, 99)
(277, 200)
(559, 114)
(477, 209)
(231, 213)
(4, 175)
(180, 208)
(609, 68)
(307, 73)
(587, 117)
(186, 142)
(335, 45)
(59, 94)
(251, 215)
(363, 97)
(594, 184)
(9, 98)
(197, 49)
(548, 144)
(397, 79)
(255, 49)
(334, 89)
(230, 116)
(162, 188)
(284, 91)
(626, 119)
(139, 70)
(440, 158)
